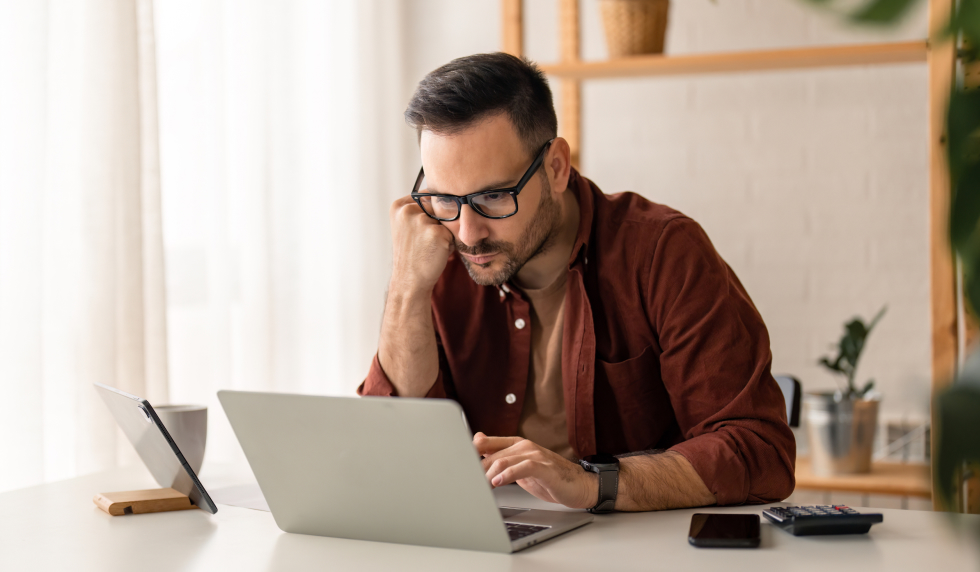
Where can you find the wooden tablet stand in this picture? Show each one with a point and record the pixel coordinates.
(140, 502)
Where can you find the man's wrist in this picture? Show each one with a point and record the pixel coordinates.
(404, 292)
(591, 490)
(606, 468)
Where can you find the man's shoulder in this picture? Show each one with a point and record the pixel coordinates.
(627, 219)
(628, 207)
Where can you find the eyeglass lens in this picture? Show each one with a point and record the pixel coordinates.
(489, 204)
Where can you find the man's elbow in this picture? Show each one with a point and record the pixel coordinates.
(775, 484)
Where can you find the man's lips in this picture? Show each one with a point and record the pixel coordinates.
(481, 259)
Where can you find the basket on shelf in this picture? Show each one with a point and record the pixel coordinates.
(634, 27)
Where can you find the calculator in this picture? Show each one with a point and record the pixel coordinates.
(821, 519)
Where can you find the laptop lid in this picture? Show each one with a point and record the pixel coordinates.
(391, 470)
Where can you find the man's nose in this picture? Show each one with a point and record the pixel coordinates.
(472, 227)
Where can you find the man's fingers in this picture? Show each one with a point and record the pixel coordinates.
(522, 470)
(494, 467)
(489, 445)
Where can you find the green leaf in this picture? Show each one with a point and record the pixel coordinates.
(958, 424)
(878, 316)
(831, 366)
(856, 329)
(966, 20)
(971, 282)
(883, 11)
(962, 125)
(964, 211)
(867, 387)
(850, 350)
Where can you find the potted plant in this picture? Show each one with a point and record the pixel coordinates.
(842, 423)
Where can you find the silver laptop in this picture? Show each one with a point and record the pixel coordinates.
(378, 468)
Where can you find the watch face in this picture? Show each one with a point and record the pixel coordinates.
(602, 461)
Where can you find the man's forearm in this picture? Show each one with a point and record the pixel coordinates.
(660, 482)
(407, 349)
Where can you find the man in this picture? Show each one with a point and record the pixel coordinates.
(569, 323)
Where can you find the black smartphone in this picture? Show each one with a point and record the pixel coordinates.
(724, 530)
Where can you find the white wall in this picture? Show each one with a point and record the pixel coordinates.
(812, 184)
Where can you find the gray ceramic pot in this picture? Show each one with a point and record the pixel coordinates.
(841, 433)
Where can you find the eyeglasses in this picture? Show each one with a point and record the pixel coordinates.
(496, 203)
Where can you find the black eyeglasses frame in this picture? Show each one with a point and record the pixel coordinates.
(468, 199)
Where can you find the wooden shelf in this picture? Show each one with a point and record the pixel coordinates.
(903, 479)
(795, 58)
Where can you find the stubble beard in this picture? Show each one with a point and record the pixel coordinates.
(537, 238)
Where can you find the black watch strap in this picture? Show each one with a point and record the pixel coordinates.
(607, 467)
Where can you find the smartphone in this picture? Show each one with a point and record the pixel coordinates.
(724, 530)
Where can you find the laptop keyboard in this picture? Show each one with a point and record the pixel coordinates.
(518, 531)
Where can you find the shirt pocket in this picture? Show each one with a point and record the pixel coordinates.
(632, 406)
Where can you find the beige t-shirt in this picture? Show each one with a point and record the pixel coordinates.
(543, 417)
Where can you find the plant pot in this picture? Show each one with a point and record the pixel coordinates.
(841, 433)
(634, 27)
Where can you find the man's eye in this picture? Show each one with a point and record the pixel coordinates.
(444, 201)
(490, 197)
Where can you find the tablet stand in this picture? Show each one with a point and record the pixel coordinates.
(140, 502)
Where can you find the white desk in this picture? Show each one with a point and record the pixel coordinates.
(57, 527)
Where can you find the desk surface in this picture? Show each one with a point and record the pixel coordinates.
(57, 527)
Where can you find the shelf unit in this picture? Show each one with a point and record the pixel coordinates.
(766, 60)
(899, 479)
(946, 317)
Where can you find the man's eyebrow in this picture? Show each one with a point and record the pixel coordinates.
(505, 184)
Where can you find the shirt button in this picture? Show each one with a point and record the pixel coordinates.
(519, 324)
(501, 293)
(506, 289)
(511, 398)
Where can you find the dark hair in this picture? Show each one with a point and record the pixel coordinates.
(469, 89)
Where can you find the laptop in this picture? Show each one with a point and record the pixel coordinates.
(379, 468)
(155, 446)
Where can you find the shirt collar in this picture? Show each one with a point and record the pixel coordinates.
(582, 189)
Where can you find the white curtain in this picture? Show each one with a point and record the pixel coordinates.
(281, 146)
(281, 143)
(81, 290)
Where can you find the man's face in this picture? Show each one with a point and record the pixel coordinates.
(489, 155)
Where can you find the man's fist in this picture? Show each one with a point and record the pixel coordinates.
(421, 247)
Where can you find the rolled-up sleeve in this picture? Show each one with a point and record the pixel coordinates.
(377, 383)
(715, 365)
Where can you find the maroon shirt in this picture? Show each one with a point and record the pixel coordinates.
(662, 349)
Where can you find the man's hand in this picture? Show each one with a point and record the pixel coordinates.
(421, 247)
(541, 472)
(407, 350)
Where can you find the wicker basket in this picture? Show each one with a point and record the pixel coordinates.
(634, 26)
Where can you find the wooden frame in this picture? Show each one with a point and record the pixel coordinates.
(946, 314)
(943, 297)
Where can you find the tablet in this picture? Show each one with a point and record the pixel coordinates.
(154, 445)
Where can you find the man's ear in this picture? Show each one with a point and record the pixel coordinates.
(558, 164)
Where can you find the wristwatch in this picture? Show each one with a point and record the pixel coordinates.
(607, 467)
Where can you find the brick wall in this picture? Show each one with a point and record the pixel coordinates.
(812, 184)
